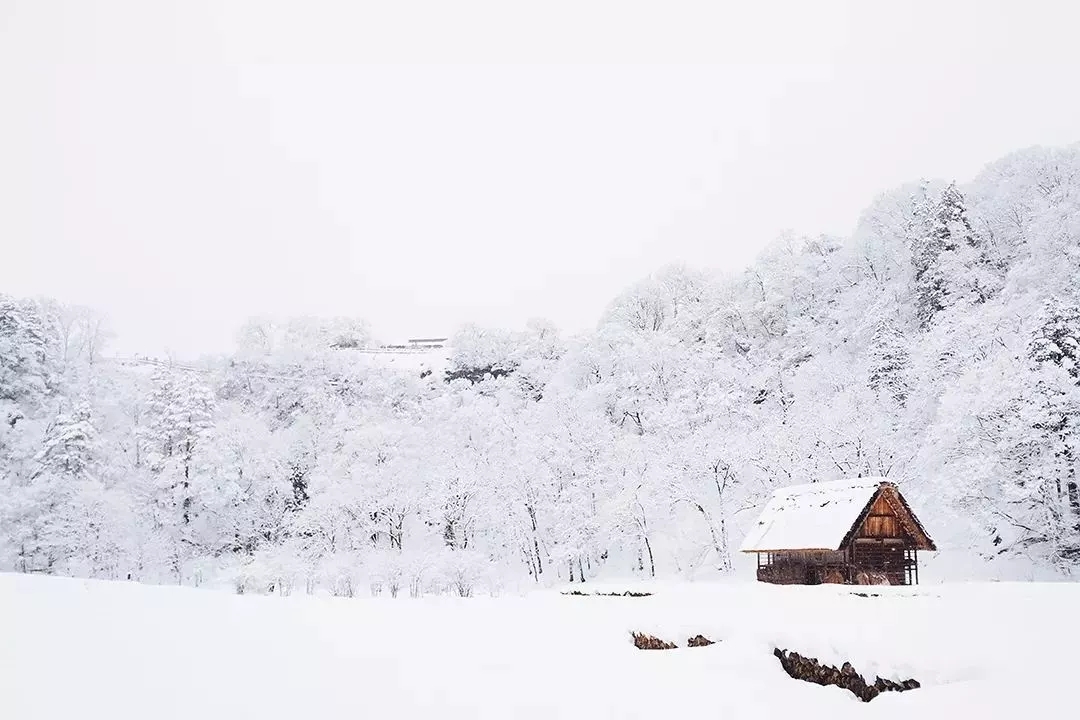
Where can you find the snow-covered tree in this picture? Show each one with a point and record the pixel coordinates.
(889, 363)
(1057, 339)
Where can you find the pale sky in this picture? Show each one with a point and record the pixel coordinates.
(184, 165)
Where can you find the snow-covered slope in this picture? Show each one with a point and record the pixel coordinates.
(89, 649)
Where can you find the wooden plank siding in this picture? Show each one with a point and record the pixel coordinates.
(882, 555)
(882, 521)
(888, 516)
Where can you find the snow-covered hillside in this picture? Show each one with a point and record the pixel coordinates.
(938, 345)
(124, 651)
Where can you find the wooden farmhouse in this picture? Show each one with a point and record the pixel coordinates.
(858, 531)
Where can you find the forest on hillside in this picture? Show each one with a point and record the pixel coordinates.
(938, 345)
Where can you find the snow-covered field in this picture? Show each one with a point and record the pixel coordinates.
(119, 651)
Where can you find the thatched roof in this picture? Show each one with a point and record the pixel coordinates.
(826, 516)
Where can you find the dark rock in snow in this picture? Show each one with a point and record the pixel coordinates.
(648, 642)
(810, 670)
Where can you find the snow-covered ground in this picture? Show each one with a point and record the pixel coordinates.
(91, 649)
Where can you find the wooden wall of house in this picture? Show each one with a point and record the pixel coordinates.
(801, 567)
(882, 522)
(881, 540)
(812, 557)
(811, 567)
(784, 574)
(881, 555)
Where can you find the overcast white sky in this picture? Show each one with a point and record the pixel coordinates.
(183, 165)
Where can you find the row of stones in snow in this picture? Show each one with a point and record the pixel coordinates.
(628, 593)
(810, 670)
(650, 642)
(800, 668)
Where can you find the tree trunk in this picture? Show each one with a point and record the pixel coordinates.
(536, 543)
(530, 564)
(720, 547)
(397, 530)
(1074, 501)
(187, 485)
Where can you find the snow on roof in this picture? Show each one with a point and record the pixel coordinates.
(816, 516)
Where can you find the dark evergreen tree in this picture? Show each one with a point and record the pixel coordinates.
(928, 241)
(28, 372)
(1057, 339)
(180, 413)
(949, 258)
(68, 448)
(889, 363)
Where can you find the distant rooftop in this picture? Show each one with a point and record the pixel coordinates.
(414, 345)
